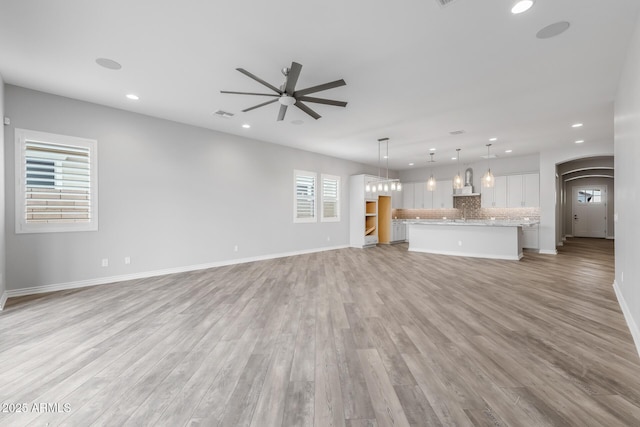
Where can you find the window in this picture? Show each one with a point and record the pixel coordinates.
(304, 206)
(56, 183)
(590, 196)
(330, 198)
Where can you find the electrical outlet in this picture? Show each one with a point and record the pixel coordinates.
(328, 238)
(459, 242)
(105, 262)
(127, 260)
(235, 248)
(622, 277)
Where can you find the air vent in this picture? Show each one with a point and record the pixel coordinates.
(223, 114)
(491, 156)
(456, 132)
(445, 2)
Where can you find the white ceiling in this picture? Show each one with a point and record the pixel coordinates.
(414, 70)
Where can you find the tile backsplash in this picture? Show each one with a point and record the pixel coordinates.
(470, 208)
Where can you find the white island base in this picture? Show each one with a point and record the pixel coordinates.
(481, 240)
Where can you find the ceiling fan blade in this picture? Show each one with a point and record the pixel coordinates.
(260, 105)
(282, 112)
(319, 88)
(323, 101)
(249, 93)
(307, 110)
(292, 77)
(259, 80)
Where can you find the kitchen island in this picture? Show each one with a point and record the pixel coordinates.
(472, 238)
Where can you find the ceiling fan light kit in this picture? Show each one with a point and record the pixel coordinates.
(287, 95)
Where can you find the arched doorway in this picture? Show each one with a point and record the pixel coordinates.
(587, 198)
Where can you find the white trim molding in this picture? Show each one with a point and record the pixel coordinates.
(548, 252)
(3, 299)
(633, 327)
(146, 274)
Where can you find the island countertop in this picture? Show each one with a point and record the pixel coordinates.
(472, 238)
(472, 222)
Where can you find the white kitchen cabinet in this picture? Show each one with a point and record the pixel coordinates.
(398, 231)
(428, 197)
(443, 195)
(496, 196)
(418, 195)
(397, 198)
(523, 191)
(407, 195)
(530, 236)
(531, 190)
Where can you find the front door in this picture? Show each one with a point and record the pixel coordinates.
(590, 211)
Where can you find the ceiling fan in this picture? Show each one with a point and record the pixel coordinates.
(287, 95)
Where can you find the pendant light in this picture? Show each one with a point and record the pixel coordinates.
(431, 182)
(457, 180)
(382, 184)
(488, 180)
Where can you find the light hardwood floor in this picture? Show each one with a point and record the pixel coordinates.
(375, 337)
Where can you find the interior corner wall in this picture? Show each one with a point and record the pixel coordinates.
(170, 196)
(3, 274)
(627, 182)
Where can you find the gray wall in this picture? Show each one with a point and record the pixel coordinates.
(627, 159)
(2, 202)
(568, 206)
(171, 196)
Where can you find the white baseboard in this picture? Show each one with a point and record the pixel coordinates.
(610, 237)
(633, 327)
(3, 299)
(143, 275)
(548, 252)
(567, 235)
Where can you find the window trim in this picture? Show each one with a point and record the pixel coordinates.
(335, 178)
(296, 219)
(21, 224)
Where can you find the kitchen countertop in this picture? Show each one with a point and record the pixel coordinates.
(472, 222)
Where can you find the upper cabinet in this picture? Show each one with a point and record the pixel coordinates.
(443, 195)
(523, 191)
(407, 195)
(496, 196)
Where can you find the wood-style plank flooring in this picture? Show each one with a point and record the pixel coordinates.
(354, 338)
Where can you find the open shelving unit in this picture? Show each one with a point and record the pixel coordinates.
(371, 218)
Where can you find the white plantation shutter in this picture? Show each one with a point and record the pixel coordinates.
(330, 198)
(304, 209)
(57, 183)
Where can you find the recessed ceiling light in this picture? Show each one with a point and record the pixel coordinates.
(580, 141)
(508, 151)
(576, 125)
(493, 139)
(297, 122)
(133, 97)
(454, 158)
(108, 63)
(385, 157)
(521, 6)
(553, 30)
(246, 125)
(432, 149)
(411, 164)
